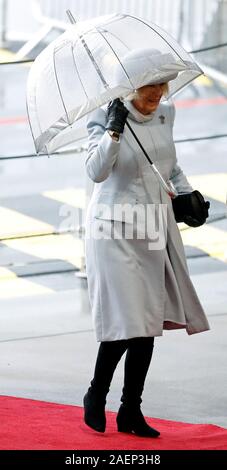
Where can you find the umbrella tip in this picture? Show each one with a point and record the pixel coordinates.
(71, 17)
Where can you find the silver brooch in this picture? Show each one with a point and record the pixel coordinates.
(162, 119)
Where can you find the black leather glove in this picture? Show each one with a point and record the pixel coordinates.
(191, 208)
(117, 115)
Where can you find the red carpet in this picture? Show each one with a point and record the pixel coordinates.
(35, 425)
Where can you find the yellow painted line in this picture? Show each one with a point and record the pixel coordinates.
(6, 56)
(16, 224)
(73, 197)
(11, 288)
(213, 185)
(58, 247)
(204, 81)
(209, 239)
(6, 273)
(64, 247)
(9, 56)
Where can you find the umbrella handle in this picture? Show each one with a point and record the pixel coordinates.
(167, 186)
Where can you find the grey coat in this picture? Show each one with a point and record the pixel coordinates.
(137, 286)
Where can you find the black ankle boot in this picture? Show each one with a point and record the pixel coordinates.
(109, 354)
(131, 420)
(94, 410)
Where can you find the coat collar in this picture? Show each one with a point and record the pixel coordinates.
(135, 115)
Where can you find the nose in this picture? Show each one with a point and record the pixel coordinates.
(157, 95)
(157, 91)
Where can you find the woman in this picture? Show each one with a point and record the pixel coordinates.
(138, 285)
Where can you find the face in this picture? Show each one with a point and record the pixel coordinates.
(149, 97)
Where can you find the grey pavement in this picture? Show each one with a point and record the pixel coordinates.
(48, 350)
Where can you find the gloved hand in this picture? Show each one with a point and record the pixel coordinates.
(117, 115)
(191, 208)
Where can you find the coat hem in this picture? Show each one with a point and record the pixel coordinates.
(197, 327)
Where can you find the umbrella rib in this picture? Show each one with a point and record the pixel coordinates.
(30, 125)
(149, 26)
(37, 116)
(93, 61)
(120, 40)
(105, 39)
(113, 19)
(74, 61)
(60, 93)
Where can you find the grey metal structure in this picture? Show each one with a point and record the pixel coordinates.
(183, 19)
(195, 15)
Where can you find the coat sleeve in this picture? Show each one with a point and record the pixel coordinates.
(180, 181)
(102, 150)
(177, 177)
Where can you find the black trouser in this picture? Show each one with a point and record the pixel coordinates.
(137, 361)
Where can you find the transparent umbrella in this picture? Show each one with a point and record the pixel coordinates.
(87, 66)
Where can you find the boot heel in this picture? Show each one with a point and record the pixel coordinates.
(123, 422)
(122, 428)
(132, 421)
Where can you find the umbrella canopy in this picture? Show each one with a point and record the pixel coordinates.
(90, 64)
